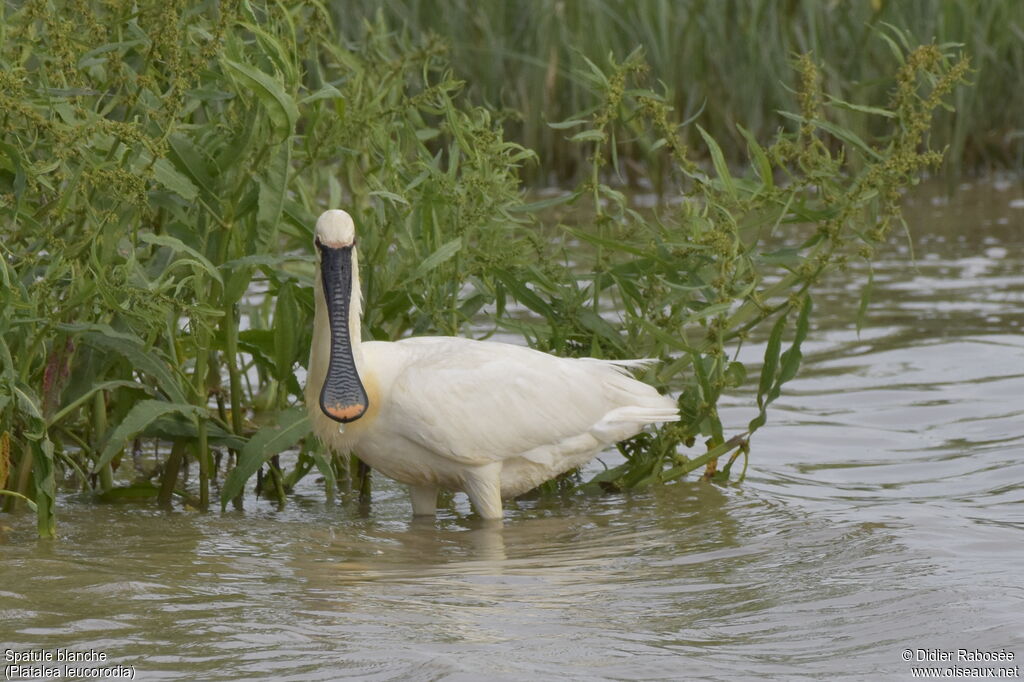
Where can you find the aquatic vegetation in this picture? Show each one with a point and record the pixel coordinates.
(724, 62)
(162, 165)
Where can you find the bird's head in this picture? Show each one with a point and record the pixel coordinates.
(343, 397)
(335, 229)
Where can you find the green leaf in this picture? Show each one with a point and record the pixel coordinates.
(188, 159)
(26, 500)
(142, 414)
(46, 487)
(167, 175)
(708, 311)
(571, 123)
(771, 360)
(82, 399)
(237, 284)
(391, 196)
(179, 246)
(787, 257)
(17, 169)
(544, 203)
(596, 72)
(843, 134)
(178, 427)
(286, 331)
(279, 105)
(718, 159)
(877, 111)
(292, 425)
(897, 51)
(326, 92)
(28, 403)
(524, 294)
(598, 325)
(671, 341)
(442, 254)
(41, 449)
(267, 260)
(259, 342)
(150, 361)
(614, 244)
(323, 465)
(589, 136)
(273, 189)
(759, 156)
(792, 357)
(735, 374)
(707, 393)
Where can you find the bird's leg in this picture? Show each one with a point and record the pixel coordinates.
(424, 500)
(483, 485)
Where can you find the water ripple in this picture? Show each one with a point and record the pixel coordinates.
(883, 510)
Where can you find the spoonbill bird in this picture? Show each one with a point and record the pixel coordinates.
(490, 419)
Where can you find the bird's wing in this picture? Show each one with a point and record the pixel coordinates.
(478, 402)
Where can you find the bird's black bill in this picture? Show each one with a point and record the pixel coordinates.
(343, 397)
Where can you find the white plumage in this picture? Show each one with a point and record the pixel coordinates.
(491, 419)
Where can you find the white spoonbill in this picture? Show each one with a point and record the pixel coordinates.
(491, 419)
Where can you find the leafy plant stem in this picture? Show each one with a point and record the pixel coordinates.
(99, 425)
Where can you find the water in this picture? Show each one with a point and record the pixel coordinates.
(883, 510)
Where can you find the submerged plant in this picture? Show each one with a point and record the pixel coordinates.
(161, 165)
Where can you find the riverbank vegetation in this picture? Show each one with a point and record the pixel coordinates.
(722, 63)
(162, 165)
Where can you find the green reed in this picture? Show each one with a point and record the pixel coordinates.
(162, 165)
(722, 62)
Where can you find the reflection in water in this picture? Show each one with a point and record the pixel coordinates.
(883, 510)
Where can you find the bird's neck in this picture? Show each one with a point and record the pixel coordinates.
(355, 312)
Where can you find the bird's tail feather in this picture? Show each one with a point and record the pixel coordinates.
(638, 414)
(624, 366)
(623, 422)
